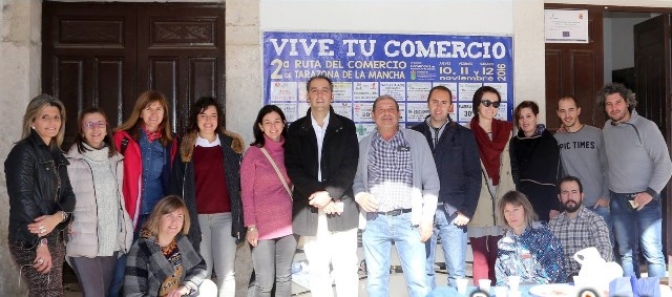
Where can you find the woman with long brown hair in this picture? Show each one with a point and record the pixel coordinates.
(492, 137)
(146, 141)
(207, 174)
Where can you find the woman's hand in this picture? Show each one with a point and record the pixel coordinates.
(42, 261)
(252, 235)
(43, 225)
(179, 292)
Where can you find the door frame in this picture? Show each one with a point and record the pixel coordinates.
(667, 211)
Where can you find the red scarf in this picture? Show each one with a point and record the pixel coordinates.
(491, 150)
(151, 136)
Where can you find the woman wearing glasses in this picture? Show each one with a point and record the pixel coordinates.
(492, 136)
(103, 230)
(40, 197)
(535, 162)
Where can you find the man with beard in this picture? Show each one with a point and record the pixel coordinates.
(639, 169)
(576, 227)
(583, 155)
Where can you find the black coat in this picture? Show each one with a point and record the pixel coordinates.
(340, 154)
(458, 165)
(184, 182)
(536, 168)
(33, 188)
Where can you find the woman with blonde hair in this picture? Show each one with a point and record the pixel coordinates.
(40, 197)
(207, 174)
(528, 249)
(163, 262)
(103, 231)
(146, 141)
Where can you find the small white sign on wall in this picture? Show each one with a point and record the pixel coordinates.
(566, 26)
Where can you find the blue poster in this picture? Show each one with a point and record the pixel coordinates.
(365, 66)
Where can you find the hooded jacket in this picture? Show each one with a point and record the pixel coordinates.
(184, 181)
(133, 171)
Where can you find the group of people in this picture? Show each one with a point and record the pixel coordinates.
(140, 212)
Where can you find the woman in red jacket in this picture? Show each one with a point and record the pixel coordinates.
(148, 146)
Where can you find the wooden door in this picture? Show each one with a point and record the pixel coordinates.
(181, 54)
(106, 54)
(89, 58)
(576, 69)
(652, 87)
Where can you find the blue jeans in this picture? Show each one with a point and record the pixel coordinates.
(381, 231)
(632, 228)
(454, 244)
(605, 213)
(118, 277)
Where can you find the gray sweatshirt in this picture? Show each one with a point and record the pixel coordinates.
(638, 157)
(583, 155)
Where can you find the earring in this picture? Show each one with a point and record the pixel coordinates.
(32, 127)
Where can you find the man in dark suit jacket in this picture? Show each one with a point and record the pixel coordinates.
(321, 154)
(458, 164)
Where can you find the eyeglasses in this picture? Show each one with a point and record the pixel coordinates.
(92, 125)
(487, 103)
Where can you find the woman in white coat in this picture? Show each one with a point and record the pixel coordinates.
(101, 230)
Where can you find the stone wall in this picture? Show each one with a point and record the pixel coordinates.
(20, 52)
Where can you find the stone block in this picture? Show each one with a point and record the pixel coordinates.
(242, 12)
(243, 35)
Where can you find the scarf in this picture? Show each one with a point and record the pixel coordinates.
(490, 150)
(151, 136)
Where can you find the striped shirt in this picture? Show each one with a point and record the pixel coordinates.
(390, 172)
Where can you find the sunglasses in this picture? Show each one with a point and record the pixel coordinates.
(487, 103)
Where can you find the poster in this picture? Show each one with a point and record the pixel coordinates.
(366, 66)
(566, 26)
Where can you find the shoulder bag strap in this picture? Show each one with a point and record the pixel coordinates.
(277, 170)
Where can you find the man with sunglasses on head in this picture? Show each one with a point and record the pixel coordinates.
(457, 162)
(583, 155)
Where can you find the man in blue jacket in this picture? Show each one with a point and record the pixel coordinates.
(458, 165)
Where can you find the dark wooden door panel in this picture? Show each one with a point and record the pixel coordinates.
(652, 87)
(89, 58)
(576, 69)
(105, 54)
(184, 53)
(553, 82)
(584, 84)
